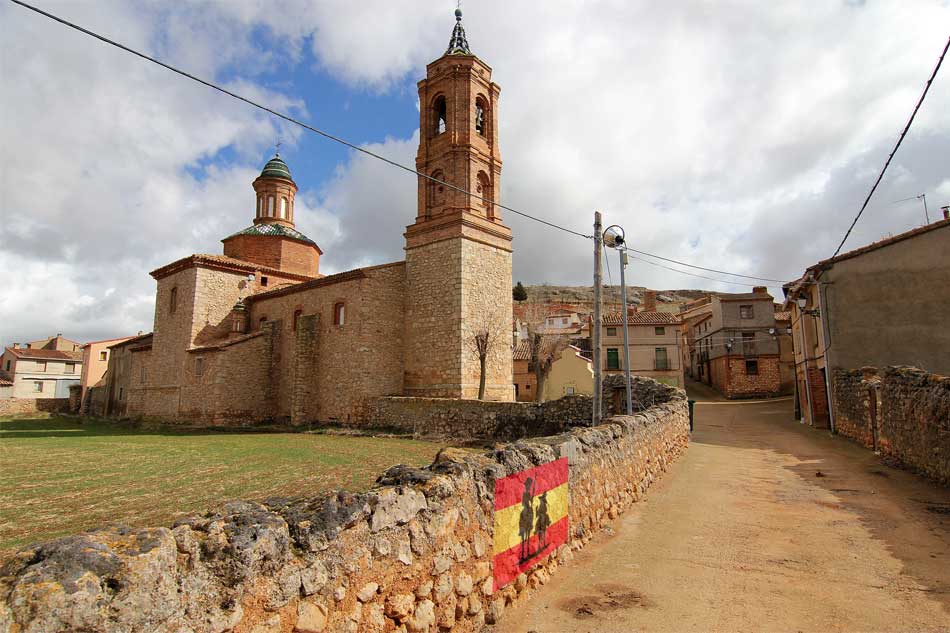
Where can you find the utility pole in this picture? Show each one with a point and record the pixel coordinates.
(626, 332)
(595, 325)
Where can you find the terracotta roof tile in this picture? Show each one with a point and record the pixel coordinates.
(641, 318)
(5, 379)
(45, 354)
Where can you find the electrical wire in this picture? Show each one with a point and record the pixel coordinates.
(894, 151)
(290, 119)
(684, 272)
(711, 270)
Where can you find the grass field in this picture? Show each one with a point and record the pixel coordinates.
(58, 476)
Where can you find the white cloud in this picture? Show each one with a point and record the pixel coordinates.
(740, 136)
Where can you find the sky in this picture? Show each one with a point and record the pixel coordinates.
(740, 136)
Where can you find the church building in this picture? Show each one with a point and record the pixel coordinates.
(258, 333)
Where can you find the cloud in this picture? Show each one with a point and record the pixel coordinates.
(740, 136)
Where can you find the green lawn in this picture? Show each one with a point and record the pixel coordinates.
(58, 476)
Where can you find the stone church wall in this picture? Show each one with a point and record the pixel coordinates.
(414, 552)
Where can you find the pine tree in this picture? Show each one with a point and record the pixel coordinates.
(519, 293)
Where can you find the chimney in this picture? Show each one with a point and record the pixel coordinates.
(649, 301)
(946, 212)
(16, 346)
(759, 290)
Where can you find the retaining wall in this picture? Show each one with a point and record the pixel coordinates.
(25, 406)
(901, 412)
(413, 554)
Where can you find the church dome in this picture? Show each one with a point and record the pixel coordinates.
(276, 168)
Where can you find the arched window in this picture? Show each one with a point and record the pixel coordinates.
(483, 189)
(260, 205)
(173, 301)
(436, 190)
(283, 208)
(297, 314)
(270, 206)
(481, 112)
(261, 322)
(238, 326)
(339, 314)
(439, 121)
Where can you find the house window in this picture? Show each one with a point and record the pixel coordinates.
(41, 366)
(752, 368)
(70, 368)
(613, 358)
(745, 312)
(662, 362)
(263, 282)
(611, 331)
(659, 331)
(37, 386)
(569, 391)
(297, 315)
(339, 314)
(199, 366)
(438, 116)
(8, 365)
(173, 301)
(527, 387)
(103, 355)
(564, 321)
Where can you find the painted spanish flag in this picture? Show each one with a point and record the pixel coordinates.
(530, 518)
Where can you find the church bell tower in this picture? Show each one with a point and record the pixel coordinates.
(458, 251)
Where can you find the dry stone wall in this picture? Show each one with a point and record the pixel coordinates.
(901, 412)
(26, 406)
(413, 554)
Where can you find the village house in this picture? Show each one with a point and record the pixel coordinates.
(571, 371)
(733, 342)
(258, 333)
(95, 361)
(655, 345)
(884, 304)
(40, 369)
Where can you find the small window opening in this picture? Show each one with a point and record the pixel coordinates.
(480, 119)
(121, 393)
(103, 355)
(173, 301)
(199, 366)
(439, 116)
(283, 208)
(270, 206)
(659, 331)
(38, 386)
(752, 367)
(261, 322)
(238, 325)
(263, 282)
(297, 315)
(745, 312)
(339, 314)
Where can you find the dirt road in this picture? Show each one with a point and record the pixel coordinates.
(744, 535)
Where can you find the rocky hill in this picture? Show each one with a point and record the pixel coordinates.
(582, 297)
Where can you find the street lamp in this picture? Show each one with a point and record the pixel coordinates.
(614, 237)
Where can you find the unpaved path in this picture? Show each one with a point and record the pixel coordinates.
(741, 535)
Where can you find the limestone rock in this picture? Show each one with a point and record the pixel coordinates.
(313, 578)
(367, 592)
(400, 606)
(423, 618)
(443, 586)
(394, 506)
(495, 610)
(311, 618)
(463, 584)
(423, 590)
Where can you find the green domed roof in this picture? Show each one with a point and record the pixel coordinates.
(276, 168)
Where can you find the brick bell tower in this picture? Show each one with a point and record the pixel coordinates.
(458, 251)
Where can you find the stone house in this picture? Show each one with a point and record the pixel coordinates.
(258, 333)
(733, 342)
(655, 345)
(571, 372)
(41, 372)
(95, 361)
(884, 304)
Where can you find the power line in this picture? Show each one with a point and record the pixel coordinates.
(894, 151)
(711, 270)
(290, 119)
(684, 272)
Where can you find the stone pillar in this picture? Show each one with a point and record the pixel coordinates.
(304, 405)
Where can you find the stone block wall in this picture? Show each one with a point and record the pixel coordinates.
(26, 406)
(413, 554)
(902, 412)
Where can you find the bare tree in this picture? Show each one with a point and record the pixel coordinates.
(544, 347)
(489, 335)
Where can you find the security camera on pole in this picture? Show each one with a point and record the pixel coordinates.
(614, 238)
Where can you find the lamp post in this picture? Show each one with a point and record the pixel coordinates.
(614, 238)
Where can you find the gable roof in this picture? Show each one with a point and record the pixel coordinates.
(641, 318)
(44, 354)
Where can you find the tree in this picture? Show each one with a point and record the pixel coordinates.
(519, 293)
(543, 348)
(488, 336)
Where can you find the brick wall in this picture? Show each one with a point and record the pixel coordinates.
(414, 552)
(729, 376)
(26, 406)
(902, 412)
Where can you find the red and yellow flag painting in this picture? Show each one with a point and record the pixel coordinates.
(530, 518)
